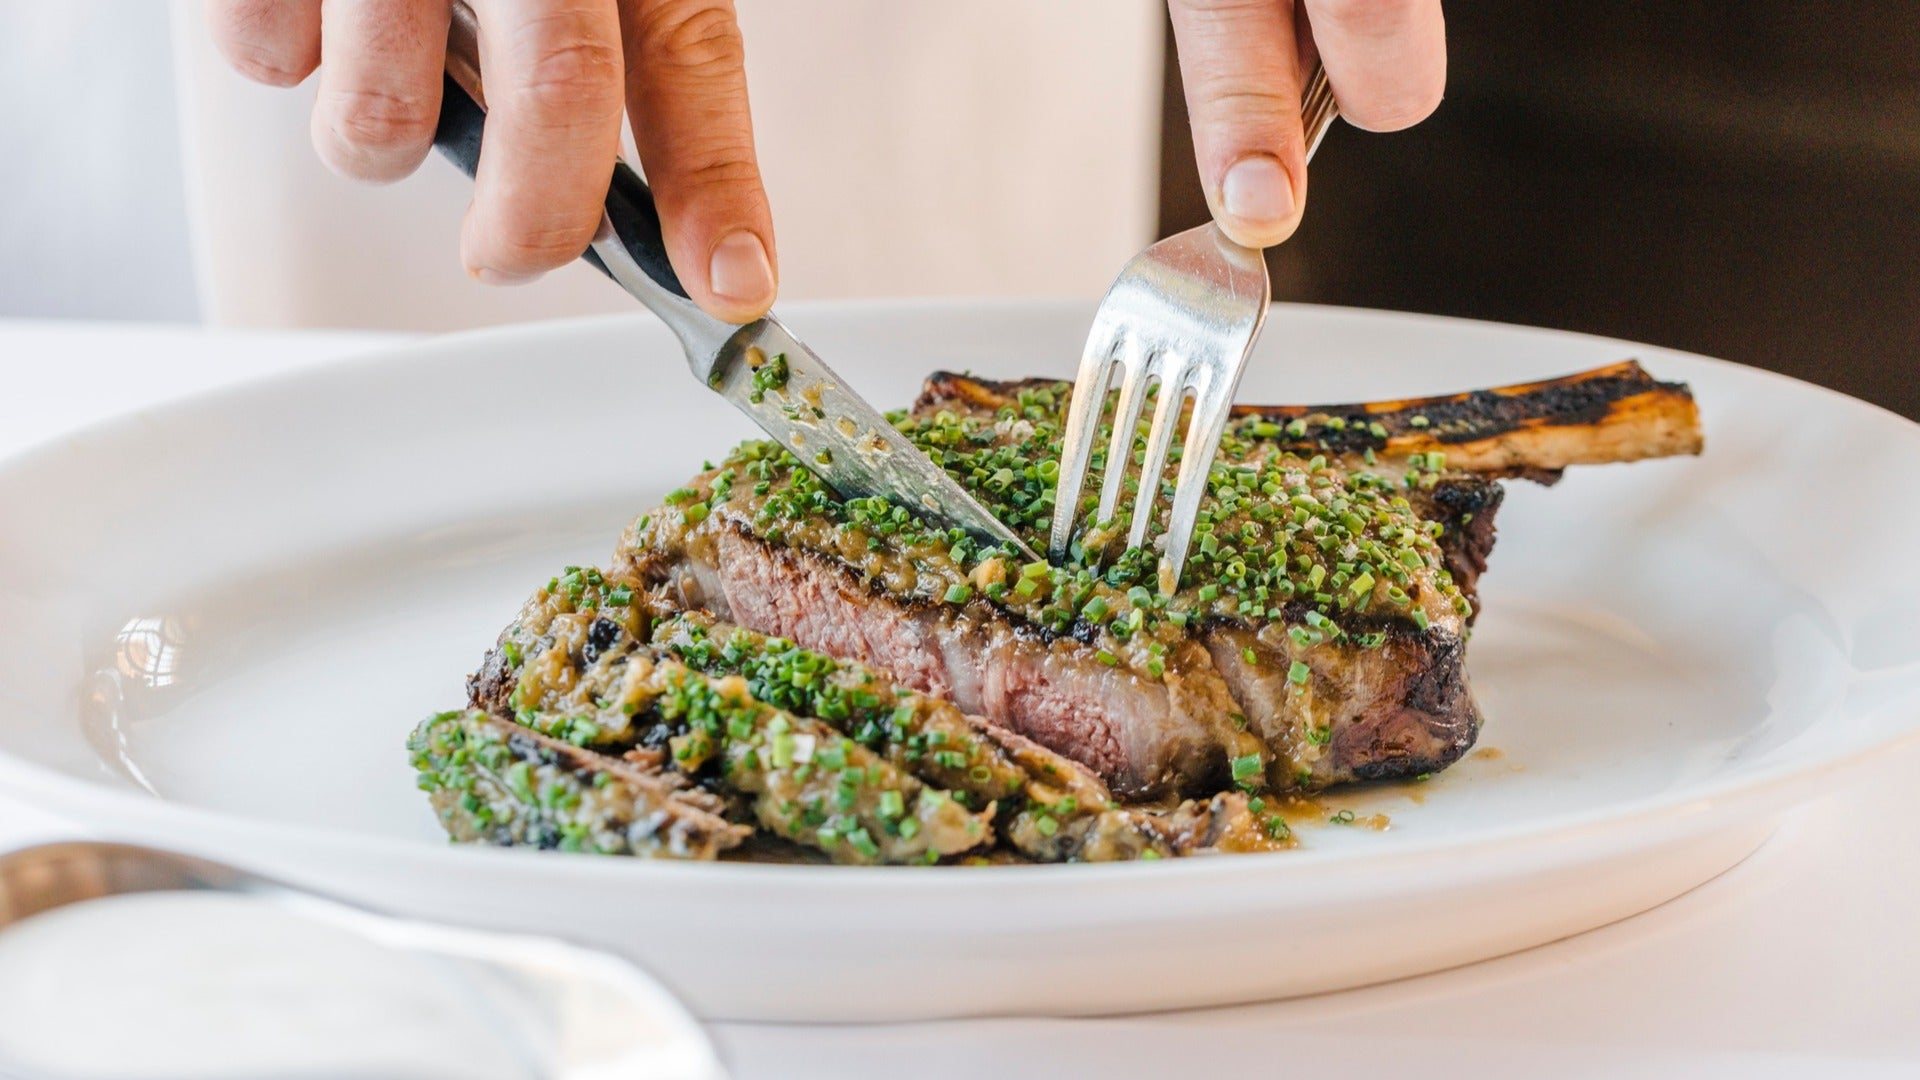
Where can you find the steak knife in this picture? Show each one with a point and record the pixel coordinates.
(762, 368)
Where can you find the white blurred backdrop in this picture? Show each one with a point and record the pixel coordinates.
(911, 147)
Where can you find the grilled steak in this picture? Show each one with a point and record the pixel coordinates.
(762, 657)
(1319, 634)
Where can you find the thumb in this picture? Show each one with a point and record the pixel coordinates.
(687, 93)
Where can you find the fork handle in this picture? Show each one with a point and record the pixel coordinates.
(630, 211)
(1318, 109)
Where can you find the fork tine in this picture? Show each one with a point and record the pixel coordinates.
(1166, 417)
(1197, 292)
(1076, 442)
(1212, 402)
(1139, 373)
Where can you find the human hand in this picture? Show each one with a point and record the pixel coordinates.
(1244, 63)
(559, 73)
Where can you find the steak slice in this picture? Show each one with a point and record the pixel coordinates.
(1053, 809)
(578, 666)
(1318, 637)
(819, 752)
(494, 781)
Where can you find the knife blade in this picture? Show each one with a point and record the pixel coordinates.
(848, 443)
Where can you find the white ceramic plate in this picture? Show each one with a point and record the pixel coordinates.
(219, 620)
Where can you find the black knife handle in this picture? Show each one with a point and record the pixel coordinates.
(629, 205)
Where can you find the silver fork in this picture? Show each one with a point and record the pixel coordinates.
(1183, 315)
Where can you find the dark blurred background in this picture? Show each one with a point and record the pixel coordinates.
(1737, 179)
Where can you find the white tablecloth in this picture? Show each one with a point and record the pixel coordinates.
(1803, 961)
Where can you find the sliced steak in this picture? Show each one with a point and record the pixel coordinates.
(1146, 737)
(821, 753)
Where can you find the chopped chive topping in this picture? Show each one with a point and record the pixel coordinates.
(771, 375)
(1246, 766)
(1287, 532)
(1299, 673)
(862, 842)
(520, 780)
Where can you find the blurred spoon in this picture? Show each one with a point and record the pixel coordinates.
(233, 974)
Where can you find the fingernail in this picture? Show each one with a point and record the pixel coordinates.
(489, 276)
(740, 270)
(1257, 191)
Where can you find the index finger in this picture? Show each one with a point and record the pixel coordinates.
(553, 72)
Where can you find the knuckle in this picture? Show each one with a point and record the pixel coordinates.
(1263, 8)
(694, 35)
(266, 65)
(538, 246)
(1240, 105)
(1229, 23)
(725, 167)
(578, 73)
(381, 119)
